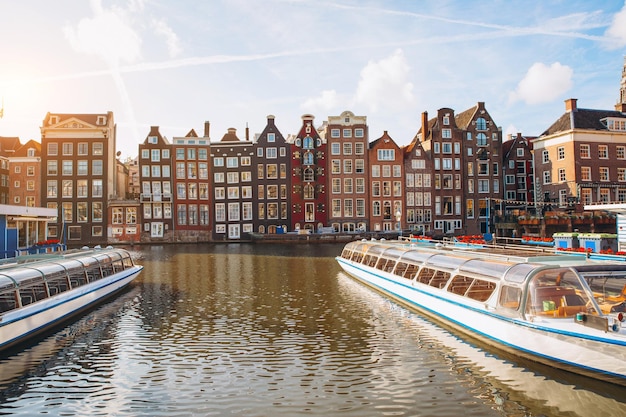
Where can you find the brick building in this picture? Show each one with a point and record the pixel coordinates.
(78, 175)
(308, 192)
(347, 140)
(271, 163)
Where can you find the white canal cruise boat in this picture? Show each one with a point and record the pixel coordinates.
(560, 309)
(40, 291)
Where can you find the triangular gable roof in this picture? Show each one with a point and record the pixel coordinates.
(77, 120)
(192, 134)
(9, 144)
(384, 138)
(22, 151)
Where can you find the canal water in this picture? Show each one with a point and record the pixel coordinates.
(269, 330)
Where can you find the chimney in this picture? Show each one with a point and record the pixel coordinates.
(570, 104)
(424, 125)
(247, 132)
(207, 127)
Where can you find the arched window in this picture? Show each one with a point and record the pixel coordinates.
(481, 124)
(376, 208)
(309, 175)
(307, 143)
(308, 158)
(481, 139)
(309, 191)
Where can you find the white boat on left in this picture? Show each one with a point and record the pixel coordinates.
(39, 292)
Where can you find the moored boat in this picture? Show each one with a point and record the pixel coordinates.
(38, 292)
(563, 310)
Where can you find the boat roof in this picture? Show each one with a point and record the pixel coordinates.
(514, 262)
(15, 271)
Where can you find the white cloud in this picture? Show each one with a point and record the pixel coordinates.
(511, 131)
(171, 39)
(328, 100)
(384, 83)
(107, 34)
(617, 31)
(543, 84)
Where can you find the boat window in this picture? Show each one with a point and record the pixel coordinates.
(8, 300)
(518, 273)
(376, 250)
(557, 292)
(406, 270)
(57, 283)
(510, 297)
(386, 264)
(34, 292)
(118, 265)
(481, 290)
(446, 262)
(460, 284)
(609, 290)
(394, 253)
(93, 273)
(433, 277)
(370, 260)
(77, 278)
(127, 260)
(490, 268)
(6, 283)
(417, 257)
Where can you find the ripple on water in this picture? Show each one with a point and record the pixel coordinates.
(228, 344)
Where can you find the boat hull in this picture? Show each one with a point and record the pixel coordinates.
(19, 326)
(555, 342)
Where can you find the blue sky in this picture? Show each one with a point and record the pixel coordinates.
(176, 64)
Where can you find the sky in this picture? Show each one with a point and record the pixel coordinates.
(178, 63)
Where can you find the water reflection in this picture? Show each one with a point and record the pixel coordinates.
(263, 330)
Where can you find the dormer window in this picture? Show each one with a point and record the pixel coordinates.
(54, 120)
(614, 123)
(102, 120)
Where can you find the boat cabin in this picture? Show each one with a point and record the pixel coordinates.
(516, 282)
(25, 280)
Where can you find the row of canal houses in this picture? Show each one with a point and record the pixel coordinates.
(457, 176)
(331, 178)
